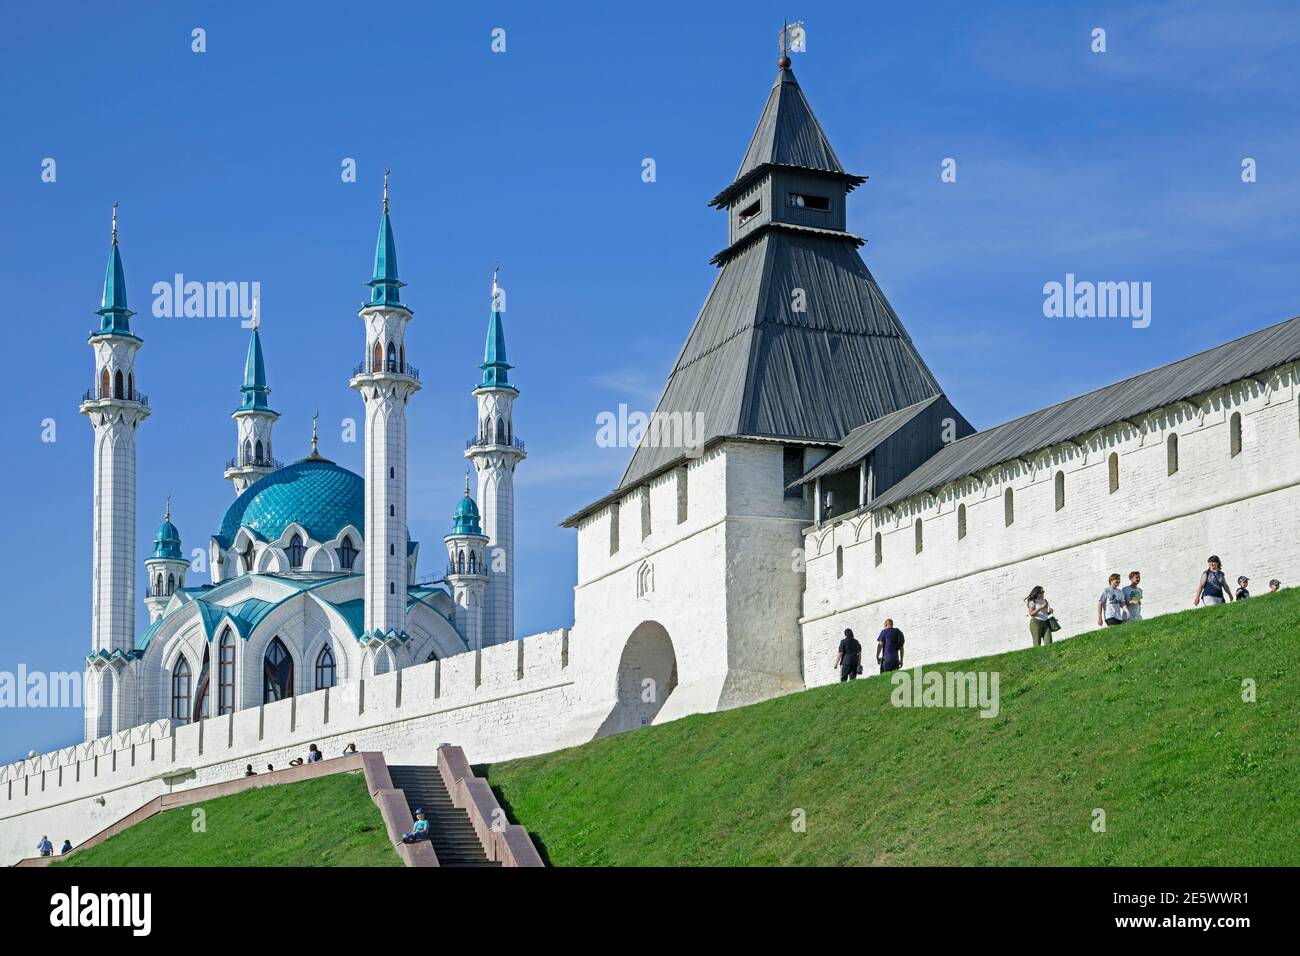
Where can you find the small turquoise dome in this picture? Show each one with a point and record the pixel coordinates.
(167, 542)
(316, 493)
(465, 520)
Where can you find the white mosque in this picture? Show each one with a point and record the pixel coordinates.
(312, 568)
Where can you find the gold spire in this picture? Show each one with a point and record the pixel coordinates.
(114, 223)
(387, 173)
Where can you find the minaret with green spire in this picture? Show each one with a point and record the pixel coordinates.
(165, 568)
(467, 569)
(115, 409)
(386, 382)
(495, 452)
(253, 418)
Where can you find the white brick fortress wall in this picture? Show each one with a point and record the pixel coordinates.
(964, 598)
(506, 701)
(721, 583)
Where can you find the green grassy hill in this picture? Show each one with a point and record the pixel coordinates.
(329, 821)
(1145, 722)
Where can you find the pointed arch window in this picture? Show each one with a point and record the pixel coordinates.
(117, 385)
(171, 584)
(296, 551)
(248, 452)
(158, 585)
(257, 452)
(460, 562)
(347, 554)
(181, 692)
(377, 361)
(473, 562)
(326, 672)
(105, 384)
(392, 358)
(277, 672)
(247, 558)
(401, 359)
(226, 673)
(501, 431)
(130, 386)
(201, 689)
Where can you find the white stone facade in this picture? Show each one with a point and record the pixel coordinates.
(964, 597)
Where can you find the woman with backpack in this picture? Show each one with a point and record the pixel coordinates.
(1213, 588)
(1040, 616)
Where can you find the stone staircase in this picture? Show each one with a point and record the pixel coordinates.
(452, 834)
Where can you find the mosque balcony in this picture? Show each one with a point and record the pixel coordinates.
(467, 571)
(98, 395)
(251, 461)
(471, 443)
(390, 367)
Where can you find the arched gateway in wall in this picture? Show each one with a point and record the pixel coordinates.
(647, 675)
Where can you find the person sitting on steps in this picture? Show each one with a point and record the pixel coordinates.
(421, 831)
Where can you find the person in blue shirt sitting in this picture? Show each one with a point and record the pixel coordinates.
(421, 831)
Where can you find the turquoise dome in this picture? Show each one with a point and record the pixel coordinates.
(465, 520)
(316, 493)
(167, 542)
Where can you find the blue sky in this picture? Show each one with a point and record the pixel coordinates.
(1123, 165)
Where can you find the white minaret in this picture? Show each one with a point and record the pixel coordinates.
(253, 418)
(466, 571)
(115, 410)
(386, 382)
(165, 568)
(495, 451)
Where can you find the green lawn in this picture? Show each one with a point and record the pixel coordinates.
(329, 821)
(1145, 722)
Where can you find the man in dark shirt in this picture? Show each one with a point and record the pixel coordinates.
(849, 658)
(889, 647)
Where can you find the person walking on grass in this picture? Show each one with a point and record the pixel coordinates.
(1274, 585)
(1111, 607)
(889, 647)
(1133, 595)
(1040, 612)
(849, 657)
(1243, 588)
(1213, 587)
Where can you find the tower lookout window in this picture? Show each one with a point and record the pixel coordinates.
(806, 201)
(749, 212)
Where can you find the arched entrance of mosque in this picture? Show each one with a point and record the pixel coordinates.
(647, 675)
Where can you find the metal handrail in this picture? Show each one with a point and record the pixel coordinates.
(254, 462)
(492, 442)
(387, 368)
(95, 395)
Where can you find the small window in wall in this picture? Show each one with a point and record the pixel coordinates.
(1009, 507)
(645, 512)
(296, 551)
(1234, 435)
(792, 471)
(839, 561)
(682, 492)
(1113, 468)
(961, 522)
(1171, 454)
(347, 553)
(181, 691)
(326, 671)
(920, 540)
(808, 201)
(1059, 482)
(392, 473)
(749, 212)
(226, 674)
(880, 549)
(613, 528)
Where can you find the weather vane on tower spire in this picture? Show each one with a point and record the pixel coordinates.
(387, 173)
(114, 223)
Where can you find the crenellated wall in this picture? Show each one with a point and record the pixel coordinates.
(505, 701)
